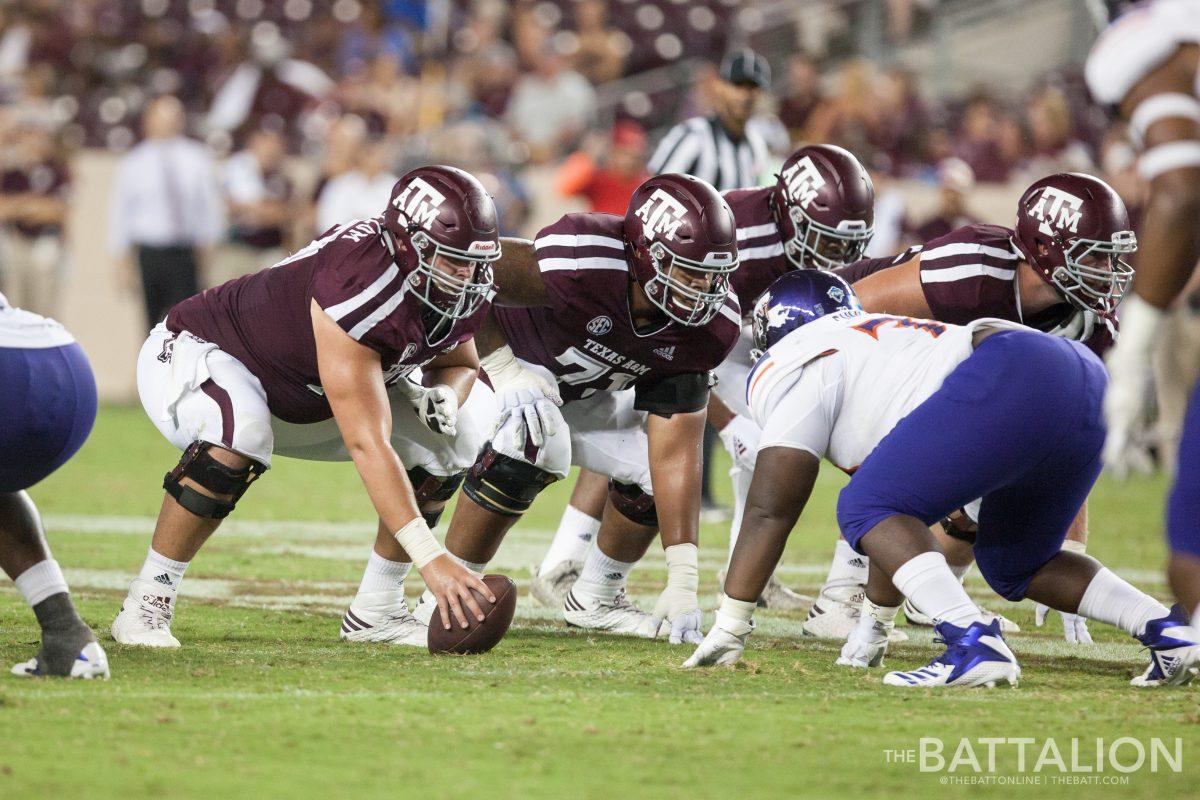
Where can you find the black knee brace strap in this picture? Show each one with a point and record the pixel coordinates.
(633, 503)
(505, 485)
(428, 487)
(212, 475)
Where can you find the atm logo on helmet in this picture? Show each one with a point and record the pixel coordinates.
(803, 179)
(1057, 209)
(661, 213)
(419, 202)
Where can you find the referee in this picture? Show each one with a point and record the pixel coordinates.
(719, 148)
(723, 151)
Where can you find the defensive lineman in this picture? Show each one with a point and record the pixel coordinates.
(311, 359)
(927, 417)
(48, 405)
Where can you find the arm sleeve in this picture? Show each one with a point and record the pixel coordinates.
(804, 418)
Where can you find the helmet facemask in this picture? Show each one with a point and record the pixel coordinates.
(665, 290)
(449, 297)
(1093, 277)
(814, 245)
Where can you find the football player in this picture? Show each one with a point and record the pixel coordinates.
(1059, 270)
(312, 359)
(819, 214)
(639, 303)
(1147, 64)
(48, 405)
(927, 417)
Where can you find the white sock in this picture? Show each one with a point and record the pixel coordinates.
(383, 575)
(602, 577)
(960, 572)
(40, 581)
(848, 567)
(474, 566)
(164, 572)
(1109, 598)
(576, 531)
(928, 582)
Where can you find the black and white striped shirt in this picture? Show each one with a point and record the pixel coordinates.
(702, 147)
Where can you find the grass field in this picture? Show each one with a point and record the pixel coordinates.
(263, 700)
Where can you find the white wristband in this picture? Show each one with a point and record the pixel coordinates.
(501, 366)
(1072, 546)
(736, 616)
(683, 567)
(417, 540)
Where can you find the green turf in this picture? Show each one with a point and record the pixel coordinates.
(264, 702)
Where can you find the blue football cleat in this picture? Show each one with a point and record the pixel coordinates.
(1174, 651)
(91, 663)
(975, 656)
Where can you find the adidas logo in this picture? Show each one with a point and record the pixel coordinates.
(667, 353)
(613, 576)
(164, 579)
(858, 563)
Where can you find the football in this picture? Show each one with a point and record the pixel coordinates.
(479, 637)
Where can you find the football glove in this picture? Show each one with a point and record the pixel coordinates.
(524, 396)
(740, 438)
(678, 603)
(724, 644)
(1126, 403)
(1074, 626)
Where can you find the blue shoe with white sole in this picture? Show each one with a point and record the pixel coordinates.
(975, 656)
(1174, 650)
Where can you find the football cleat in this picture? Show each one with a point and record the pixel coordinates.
(92, 662)
(1174, 652)
(975, 656)
(145, 617)
(551, 589)
(915, 618)
(383, 617)
(614, 616)
(835, 612)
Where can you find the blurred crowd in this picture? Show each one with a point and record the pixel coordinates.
(298, 114)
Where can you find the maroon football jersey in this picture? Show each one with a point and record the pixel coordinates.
(971, 272)
(586, 335)
(263, 319)
(760, 247)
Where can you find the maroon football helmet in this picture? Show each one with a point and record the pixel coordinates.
(438, 213)
(824, 205)
(1072, 229)
(676, 225)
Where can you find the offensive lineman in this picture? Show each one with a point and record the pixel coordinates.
(311, 359)
(1034, 273)
(48, 405)
(819, 214)
(927, 417)
(1147, 64)
(609, 303)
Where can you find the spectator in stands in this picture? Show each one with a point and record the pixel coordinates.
(607, 169)
(166, 210)
(1052, 147)
(722, 149)
(34, 191)
(803, 96)
(602, 50)
(361, 192)
(259, 196)
(955, 180)
(550, 107)
(978, 142)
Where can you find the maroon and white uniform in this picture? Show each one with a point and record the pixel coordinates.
(971, 273)
(586, 341)
(237, 364)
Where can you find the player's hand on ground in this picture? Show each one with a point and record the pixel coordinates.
(740, 437)
(1075, 629)
(723, 645)
(451, 583)
(681, 609)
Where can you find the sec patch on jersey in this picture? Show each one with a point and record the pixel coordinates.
(478, 637)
